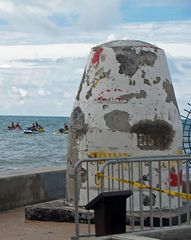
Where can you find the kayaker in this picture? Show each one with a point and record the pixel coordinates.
(12, 126)
(34, 127)
(18, 126)
(66, 127)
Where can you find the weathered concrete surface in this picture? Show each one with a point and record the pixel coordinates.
(57, 210)
(125, 106)
(60, 211)
(22, 189)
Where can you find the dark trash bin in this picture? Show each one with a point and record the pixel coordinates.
(110, 212)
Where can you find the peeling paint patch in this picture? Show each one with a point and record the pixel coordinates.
(102, 57)
(81, 84)
(87, 78)
(132, 82)
(130, 61)
(147, 201)
(143, 73)
(117, 121)
(158, 79)
(153, 135)
(167, 86)
(72, 151)
(99, 75)
(129, 96)
(77, 123)
(147, 82)
(89, 93)
(105, 106)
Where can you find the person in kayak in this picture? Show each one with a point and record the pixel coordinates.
(18, 126)
(12, 126)
(66, 127)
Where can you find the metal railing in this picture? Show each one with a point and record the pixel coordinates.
(151, 204)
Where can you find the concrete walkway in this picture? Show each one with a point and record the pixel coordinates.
(14, 227)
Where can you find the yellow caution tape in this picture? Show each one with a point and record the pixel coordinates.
(140, 185)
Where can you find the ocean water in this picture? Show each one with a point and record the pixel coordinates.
(20, 151)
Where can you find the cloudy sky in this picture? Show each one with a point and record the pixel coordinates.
(44, 47)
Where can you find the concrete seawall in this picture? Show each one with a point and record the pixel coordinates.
(23, 188)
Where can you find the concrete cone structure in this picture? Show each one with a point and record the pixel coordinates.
(125, 106)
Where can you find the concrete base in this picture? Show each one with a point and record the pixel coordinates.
(165, 218)
(58, 211)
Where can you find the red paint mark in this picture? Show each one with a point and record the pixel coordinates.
(101, 98)
(96, 56)
(174, 179)
(118, 98)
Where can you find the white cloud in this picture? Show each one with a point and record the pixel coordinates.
(44, 48)
(111, 37)
(43, 92)
(7, 7)
(79, 71)
(69, 95)
(177, 50)
(19, 92)
(5, 66)
(52, 51)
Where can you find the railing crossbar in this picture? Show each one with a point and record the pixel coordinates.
(128, 163)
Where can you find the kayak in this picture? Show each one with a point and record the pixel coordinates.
(30, 132)
(10, 128)
(60, 131)
(41, 130)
